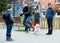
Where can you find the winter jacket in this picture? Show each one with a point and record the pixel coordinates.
(26, 11)
(50, 13)
(36, 17)
(11, 14)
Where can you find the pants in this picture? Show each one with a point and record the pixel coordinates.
(26, 21)
(9, 28)
(35, 24)
(50, 25)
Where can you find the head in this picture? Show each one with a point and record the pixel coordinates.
(9, 6)
(36, 11)
(49, 5)
(25, 3)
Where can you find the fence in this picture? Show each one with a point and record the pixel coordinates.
(56, 23)
(43, 22)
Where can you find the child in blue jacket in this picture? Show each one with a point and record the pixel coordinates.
(9, 22)
(49, 15)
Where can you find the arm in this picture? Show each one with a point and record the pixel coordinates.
(21, 14)
(46, 13)
(53, 12)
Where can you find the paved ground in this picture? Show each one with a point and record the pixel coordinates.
(22, 37)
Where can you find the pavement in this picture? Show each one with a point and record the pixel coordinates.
(22, 37)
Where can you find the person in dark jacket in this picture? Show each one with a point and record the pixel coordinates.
(49, 15)
(27, 16)
(36, 21)
(9, 22)
(36, 17)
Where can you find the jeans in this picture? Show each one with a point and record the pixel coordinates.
(9, 29)
(26, 21)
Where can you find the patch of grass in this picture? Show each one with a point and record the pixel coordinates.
(20, 30)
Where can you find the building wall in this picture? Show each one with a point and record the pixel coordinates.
(44, 3)
(30, 0)
(20, 1)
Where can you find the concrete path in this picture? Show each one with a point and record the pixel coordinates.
(22, 37)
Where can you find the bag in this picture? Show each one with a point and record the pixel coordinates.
(7, 18)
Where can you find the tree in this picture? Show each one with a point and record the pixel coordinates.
(3, 5)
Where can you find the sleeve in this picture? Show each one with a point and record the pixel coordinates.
(11, 16)
(39, 15)
(26, 10)
(53, 12)
(46, 13)
(23, 12)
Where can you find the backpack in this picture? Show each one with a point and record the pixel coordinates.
(36, 17)
(6, 16)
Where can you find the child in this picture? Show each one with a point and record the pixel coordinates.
(49, 15)
(36, 21)
(9, 20)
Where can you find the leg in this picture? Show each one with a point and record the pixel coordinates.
(48, 22)
(24, 23)
(8, 32)
(51, 25)
(28, 22)
(26, 28)
(34, 25)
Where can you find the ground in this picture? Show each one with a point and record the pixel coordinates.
(22, 37)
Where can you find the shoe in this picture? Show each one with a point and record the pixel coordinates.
(10, 39)
(32, 30)
(48, 33)
(35, 33)
(26, 31)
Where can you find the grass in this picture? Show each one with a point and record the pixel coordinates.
(20, 30)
